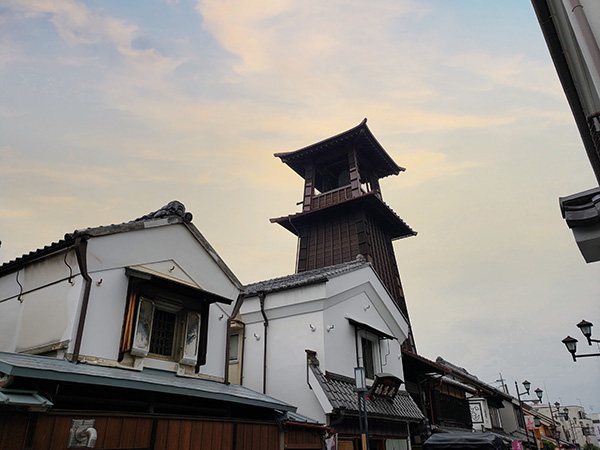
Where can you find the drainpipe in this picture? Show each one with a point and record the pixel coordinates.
(230, 320)
(588, 44)
(261, 297)
(80, 251)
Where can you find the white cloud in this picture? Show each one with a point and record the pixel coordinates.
(289, 36)
(13, 214)
(425, 165)
(514, 70)
(9, 51)
(78, 25)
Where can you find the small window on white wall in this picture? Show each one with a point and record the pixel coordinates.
(368, 353)
(166, 331)
(234, 347)
(495, 417)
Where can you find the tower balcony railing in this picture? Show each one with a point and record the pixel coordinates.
(331, 197)
(337, 195)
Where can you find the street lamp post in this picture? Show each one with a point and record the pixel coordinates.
(538, 392)
(571, 342)
(559, 415)
(564, 415)
(555, 430)
(361, 389)
(573, 429)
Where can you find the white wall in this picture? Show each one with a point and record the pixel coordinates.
(47, 313)
(51, 314)
(361, 296)
(158, 249)
(173, 242)
(508, 417)
(291, 313)
(218, 339)
(289, 335)
(104, 319)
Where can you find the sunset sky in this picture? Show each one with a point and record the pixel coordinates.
(111, 109)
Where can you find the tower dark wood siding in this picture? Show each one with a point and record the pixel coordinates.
(331, 239)
(382, 256)
(327, 240)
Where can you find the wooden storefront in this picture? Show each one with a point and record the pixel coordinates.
(50, 431)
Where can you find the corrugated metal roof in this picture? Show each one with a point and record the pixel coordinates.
(304, 278)
(340, 391)
(41, 367)
(299, 418)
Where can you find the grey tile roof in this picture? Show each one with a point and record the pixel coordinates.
(581, 209)
(469, 377)
(41, 367)
(174, 212)
(449, 380)
(341, 394)
(304, 278)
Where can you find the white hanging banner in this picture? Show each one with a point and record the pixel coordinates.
(529, 423)
(332, 442)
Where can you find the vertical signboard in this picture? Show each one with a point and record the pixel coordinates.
(529, 423)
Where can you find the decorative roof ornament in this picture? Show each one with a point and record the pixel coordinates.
(173, 208)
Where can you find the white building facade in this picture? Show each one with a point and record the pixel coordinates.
(305, 334)
(103, 295)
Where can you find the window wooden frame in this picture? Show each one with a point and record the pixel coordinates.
(373, 339)
(192, 312)
(238, 337)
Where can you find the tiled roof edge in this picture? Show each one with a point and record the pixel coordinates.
(171, 213)
(304, 278)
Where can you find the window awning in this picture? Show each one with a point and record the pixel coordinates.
(29, 399)
(176, 286)
(369, 328)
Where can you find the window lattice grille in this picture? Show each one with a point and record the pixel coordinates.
(163, 333)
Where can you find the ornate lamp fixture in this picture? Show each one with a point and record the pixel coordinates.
(571, 342)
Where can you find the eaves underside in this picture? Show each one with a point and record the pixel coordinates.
(388, 218)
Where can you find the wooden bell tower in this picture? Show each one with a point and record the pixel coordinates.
(343, 214)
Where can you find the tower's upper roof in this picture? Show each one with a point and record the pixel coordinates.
(361, 136)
